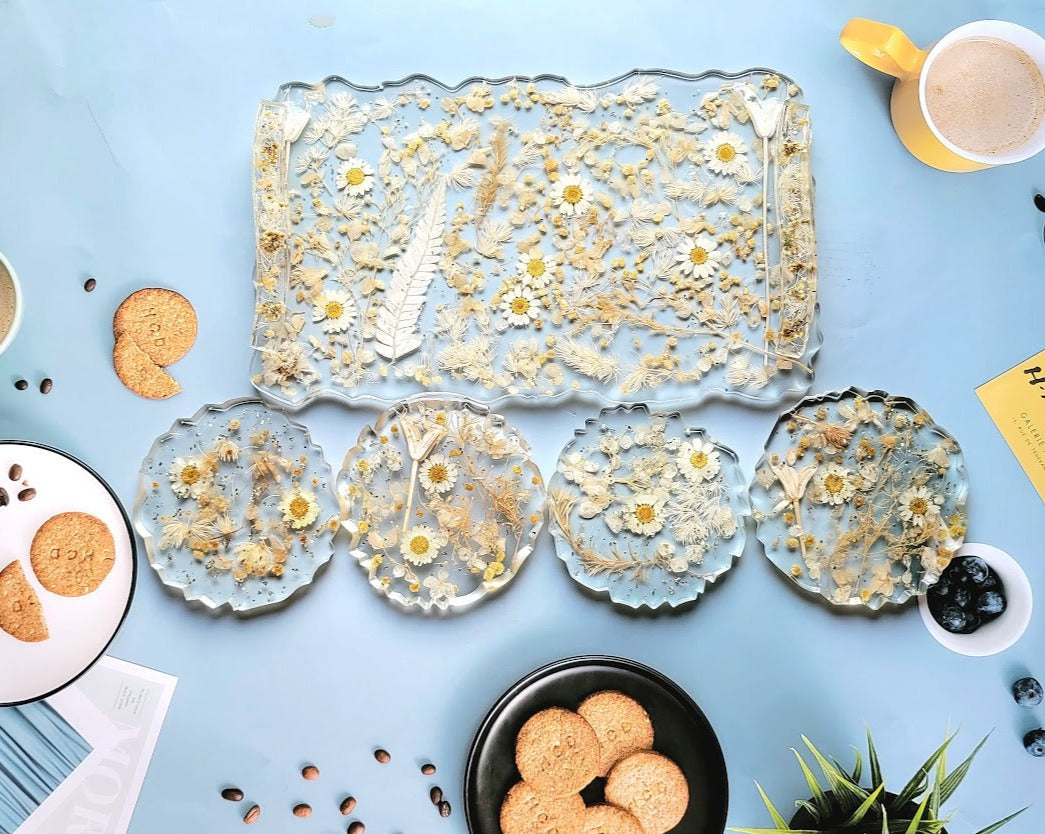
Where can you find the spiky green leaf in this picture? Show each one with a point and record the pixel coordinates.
(778, 820)
(846, 793)
(865, 806)
(858, 767)
(775, 831)
(919, 782)
(819, 797)
(950, 784)
(810, 808)
(917, 818)
(990, 829)
(872, 761)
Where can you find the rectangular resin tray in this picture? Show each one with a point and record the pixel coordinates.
(528, 239)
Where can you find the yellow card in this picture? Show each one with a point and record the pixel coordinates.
(1016, 402)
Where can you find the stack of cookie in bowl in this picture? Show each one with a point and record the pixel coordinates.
(560, 753)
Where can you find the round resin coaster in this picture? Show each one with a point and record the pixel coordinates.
(442, 501)
(235, 506)
(645, 509)
(860, 497)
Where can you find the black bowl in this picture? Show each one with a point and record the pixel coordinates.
(681, 732)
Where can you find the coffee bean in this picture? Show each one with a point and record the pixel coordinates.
(46, 384)
(348, 805)
(27, 494)
(310, 772)
(21, 384)
(428, 769)
(4, 500)
(89, 285)
(15, 472)
(303, 810)
(232, 794)
(1039, 202)
(444, 808)
(252, 815)
(436, 795)
(382, 756)
(356, 828)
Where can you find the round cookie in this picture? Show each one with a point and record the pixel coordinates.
(139, 373)
(652, 787)
(161, 322)
(72, 553)
(621, 724)
(608, 819)
(557, 752)
(524, 811)
(20, 613)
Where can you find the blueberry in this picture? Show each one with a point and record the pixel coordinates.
(952, 619)
(991, 581)
(961, 597)
(942, 588)
(1034, 742)
(1027, 692)
(990, 604)
(975, 569)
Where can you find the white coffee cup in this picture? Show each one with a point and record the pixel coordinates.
(16, 322)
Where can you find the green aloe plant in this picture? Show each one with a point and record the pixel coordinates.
(841, 805)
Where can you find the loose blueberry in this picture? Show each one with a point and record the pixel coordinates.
(990, 604)
(991, 581)
(975, 569)
(972, 622)
(1027, 692)
(941, 589)
(952, 619)
(1034, 742)
(961, 597)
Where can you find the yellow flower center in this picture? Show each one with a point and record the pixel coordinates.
(190, 474)
(535, 267)
(644, 513)
(355, 176)
(299, 507)
(334, 309)
(419, 545)
(572, 194)
(726, 152)
(918, 506)
(834, 483)
(437, 473)
(698, 255)
(520, 306)
(363, 466)
(698, 460)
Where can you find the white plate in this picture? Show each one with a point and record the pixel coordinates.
(80, 628)
(997, 635)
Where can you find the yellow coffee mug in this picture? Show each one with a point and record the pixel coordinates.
(887, 49)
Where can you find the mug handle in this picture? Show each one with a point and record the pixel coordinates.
(883, 47)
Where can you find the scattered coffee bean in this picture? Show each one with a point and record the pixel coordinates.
(348, 805)
(303, 810)
(310, 772)
(444, 808)
(15, 472)
(252, 815)
(232, 794)
(382, 756)
(4, 500)
(21, 384)
(1039, 202)
(46, 384)
(436, 795)
(356, 828)
(428, 769)
(89, 285)
(27, 494)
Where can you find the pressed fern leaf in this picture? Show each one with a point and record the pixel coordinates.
(397, 320)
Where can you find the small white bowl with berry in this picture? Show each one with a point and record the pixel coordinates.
(982, 603)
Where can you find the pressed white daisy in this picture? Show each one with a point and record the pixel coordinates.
(698, 256)
(572, 195)
(699, 461)
(421, 544)
(835, 484)
(299, 507)
(534, 269)
(918, 502)
(355, 176)
(336, 309)
(188, 477)
(438, 474)
(725, 152)
(644, 513)
(520, 307)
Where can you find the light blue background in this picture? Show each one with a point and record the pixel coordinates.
(125, 133)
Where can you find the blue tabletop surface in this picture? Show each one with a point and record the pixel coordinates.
(125, 136)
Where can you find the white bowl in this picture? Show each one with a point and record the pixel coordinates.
(997, 635)
(5, 340)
